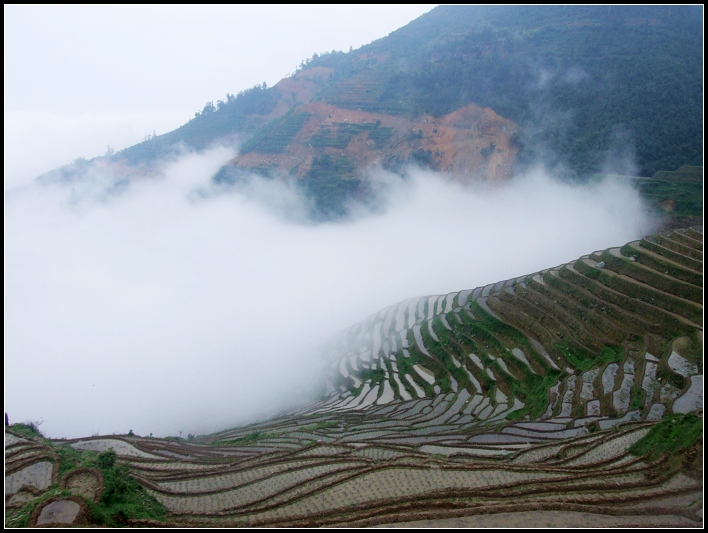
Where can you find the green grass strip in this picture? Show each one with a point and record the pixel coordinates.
(675, 432)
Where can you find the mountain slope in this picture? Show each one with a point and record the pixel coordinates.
(578, 79)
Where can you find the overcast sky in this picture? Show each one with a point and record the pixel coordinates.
(161, 310)
(80, 78)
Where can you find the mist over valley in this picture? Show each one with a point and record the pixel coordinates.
(459, 268)
(210, 306)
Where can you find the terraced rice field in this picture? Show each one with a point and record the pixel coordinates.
(522, 396)
(373, 483)
(598, 333)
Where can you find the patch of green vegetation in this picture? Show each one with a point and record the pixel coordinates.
(687, 195)
(581, 360)
(245, 440)
(533, 391)
(351, 129)
(626, 297)
(380, 136)
(630, 289)
(489, 150)
(405, 364)
(326, 424)
(344, 131)
(685, 173)
(483, 337)
(636, 398)
(276, 136)
(70, 459)
(692, 350)
(461, 377)
(441, 350)
(424, 158)
(234, 175)
(662, 265)
(481, 334)
(578, 411)
(630, 269)
(587, 270)
(374, 375)
(516, 415)
(123, 497)
(674, 433)
(331, 182)
(494, 325)
(444, 383)
(464, 340)
(665, 374)
(27, 429)
(325, 139)
(355, 88)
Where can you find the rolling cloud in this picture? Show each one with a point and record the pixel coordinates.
(168, 305)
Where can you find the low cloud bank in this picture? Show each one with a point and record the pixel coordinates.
(170, 305)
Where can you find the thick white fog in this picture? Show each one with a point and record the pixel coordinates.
(79, 79)
(170, 306)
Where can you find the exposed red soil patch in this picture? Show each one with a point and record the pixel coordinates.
(471, 144)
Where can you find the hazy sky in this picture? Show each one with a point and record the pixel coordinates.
(80, 78)
(161, 310)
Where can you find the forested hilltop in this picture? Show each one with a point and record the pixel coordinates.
(475, 91)
(577, 78)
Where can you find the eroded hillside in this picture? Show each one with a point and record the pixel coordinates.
(468, 142)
